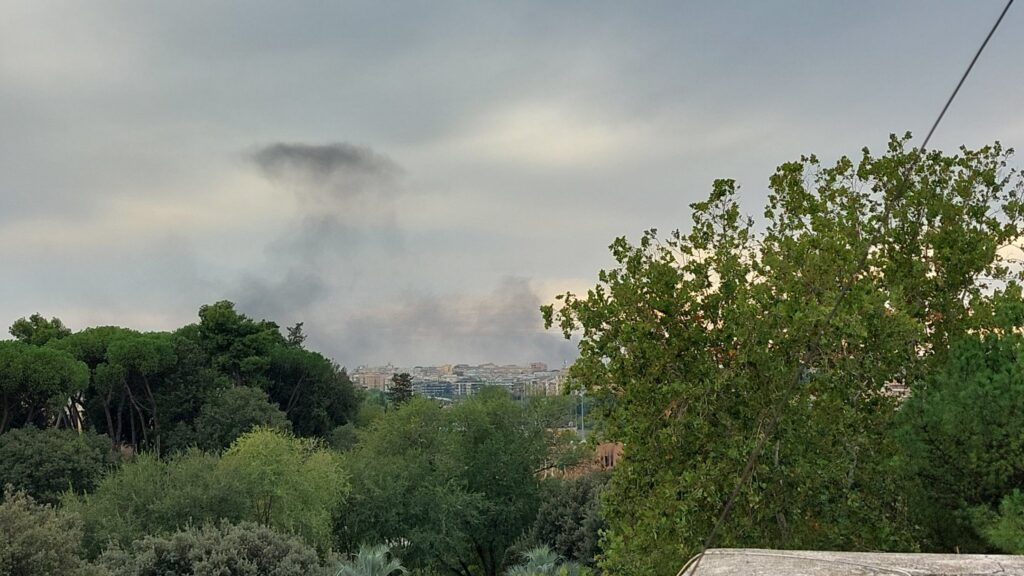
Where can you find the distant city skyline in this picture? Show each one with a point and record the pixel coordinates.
(459, 380)
(413, 181)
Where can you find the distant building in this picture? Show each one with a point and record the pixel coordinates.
(374, 378)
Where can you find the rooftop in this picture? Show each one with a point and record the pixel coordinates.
(755, 562)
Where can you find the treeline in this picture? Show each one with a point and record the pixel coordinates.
(227, 447)
(158, 391)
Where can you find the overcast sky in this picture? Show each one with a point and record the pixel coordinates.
(413, 179)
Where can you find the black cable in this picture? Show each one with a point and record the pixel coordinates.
(808, 356)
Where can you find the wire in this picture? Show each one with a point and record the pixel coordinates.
(809, 355)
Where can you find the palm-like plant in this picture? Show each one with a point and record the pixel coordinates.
(372, 561)
(543, 561)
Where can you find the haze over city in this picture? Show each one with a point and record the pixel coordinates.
(413, 181)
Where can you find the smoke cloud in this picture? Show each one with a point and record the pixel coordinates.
(502, 326)
(345, 196)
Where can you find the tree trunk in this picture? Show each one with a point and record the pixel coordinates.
(142, 418)
(6, 413)
(120, 417)
(152, 403)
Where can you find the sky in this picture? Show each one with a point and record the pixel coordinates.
(412, 180)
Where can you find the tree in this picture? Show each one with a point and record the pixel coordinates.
(372, 561)
(38, 540)
(401, 389)
(37, 330)
(238, 346)
(1004, 528)
(36, 384)
(229, 414)
(104, 400)
(296, 336)
(696, 343)
(142, 362)
(455, 486)
(569, 517)
(245, 549)
(314, 392)
(46, 463)
(963, 431)
(290, 483)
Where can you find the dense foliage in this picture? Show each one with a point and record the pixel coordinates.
(372, 561)
(245, 549)
(860, 277)
(454, 486)
(38, 540)
(160, 390)
(46, 463)
(287, 483)
(569, 517)
(964, 432)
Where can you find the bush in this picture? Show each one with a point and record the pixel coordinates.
(45, 463)
(569, 517)
(246, 549)
(344, 437)
(287, 483)
(38, 539)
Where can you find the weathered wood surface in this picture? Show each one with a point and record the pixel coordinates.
(754, 562)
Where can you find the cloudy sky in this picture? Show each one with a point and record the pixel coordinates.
(413, 179)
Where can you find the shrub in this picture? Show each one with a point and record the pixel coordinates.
(245, 549)
(45, 463)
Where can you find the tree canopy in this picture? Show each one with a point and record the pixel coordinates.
(695, 341)
(454, 486)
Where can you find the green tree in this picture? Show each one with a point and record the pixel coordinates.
(293, 484)
(148, 495)
(314, 392)
(229, 414)
(143, 387)
(245, 549)
(142, 362)
(46, 463)
(238, 346)
(37, 330)
(963, 430)
(401, 389)
(104, 401)
(456, 486)
(694, 342)
(296, 336)
(1004, 528)
(569, 517)
(372, 561)
(37, 384)
(38, 540)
